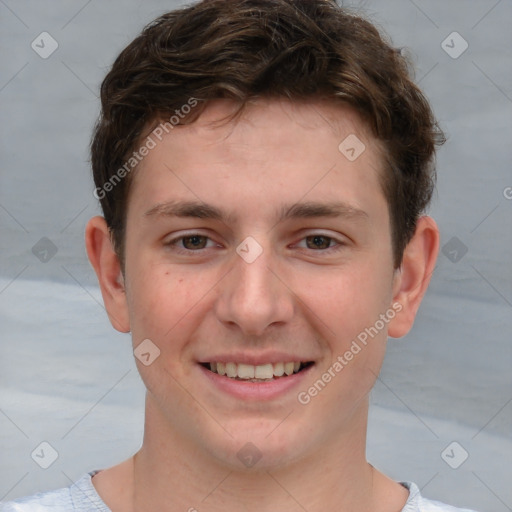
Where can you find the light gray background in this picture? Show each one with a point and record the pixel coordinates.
(69, 379)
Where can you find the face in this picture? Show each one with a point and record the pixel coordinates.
(256, 247)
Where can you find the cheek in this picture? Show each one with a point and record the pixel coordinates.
(167, 303)
(345, 300)
(158, 299)
(347, 304)
(163, 309)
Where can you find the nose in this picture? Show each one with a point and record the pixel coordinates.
(253, 297)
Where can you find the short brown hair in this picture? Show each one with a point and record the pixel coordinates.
(244, 49)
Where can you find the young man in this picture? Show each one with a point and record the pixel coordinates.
(263, 167)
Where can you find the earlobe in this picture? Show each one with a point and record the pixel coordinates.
(108, 271)
(412, 279)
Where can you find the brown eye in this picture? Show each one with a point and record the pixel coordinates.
(318, 242)
(194, 242)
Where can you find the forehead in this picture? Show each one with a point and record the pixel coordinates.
(272, 145)
(269, 120)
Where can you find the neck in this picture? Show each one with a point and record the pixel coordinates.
(169, 474)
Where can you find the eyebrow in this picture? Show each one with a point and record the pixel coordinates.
(312, 209)
(200, 210)
(195, 209)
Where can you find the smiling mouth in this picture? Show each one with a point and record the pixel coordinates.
(259, 373)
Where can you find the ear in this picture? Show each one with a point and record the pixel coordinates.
(411, 280)
(108, 270)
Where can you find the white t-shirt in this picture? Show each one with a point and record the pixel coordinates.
(82, 497)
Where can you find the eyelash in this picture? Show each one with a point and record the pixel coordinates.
(338, 243)
(174, 244)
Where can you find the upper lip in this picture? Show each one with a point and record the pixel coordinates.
(255, 359)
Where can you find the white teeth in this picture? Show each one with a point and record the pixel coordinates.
(264, 371)
(279, 369)
(260, 372)
(231, 369)
(246, 371)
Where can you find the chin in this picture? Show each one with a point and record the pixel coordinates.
(259, 446)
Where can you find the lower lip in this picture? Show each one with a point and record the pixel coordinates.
(265, 390)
